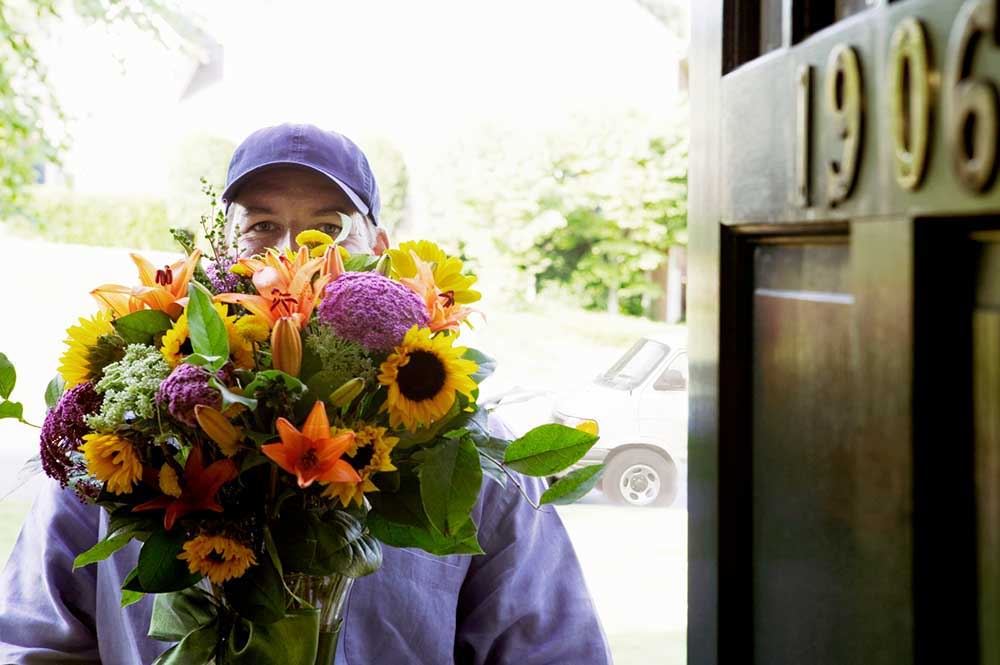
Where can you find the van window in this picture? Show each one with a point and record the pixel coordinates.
(635, 366)
(675, 376)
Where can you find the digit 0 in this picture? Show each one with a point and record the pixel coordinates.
(910, 101)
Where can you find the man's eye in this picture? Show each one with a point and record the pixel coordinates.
(329, 229)
(262, 227)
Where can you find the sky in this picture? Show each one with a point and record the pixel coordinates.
(417, 73)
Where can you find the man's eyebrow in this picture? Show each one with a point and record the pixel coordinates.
(259, 210)
(329, 210)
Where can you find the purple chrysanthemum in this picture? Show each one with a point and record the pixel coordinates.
(218, 273)
(62, 435)
(185, 388)
(371, 310)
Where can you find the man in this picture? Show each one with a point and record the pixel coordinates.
(522, 602)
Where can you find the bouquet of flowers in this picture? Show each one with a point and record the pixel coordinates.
(262, 425)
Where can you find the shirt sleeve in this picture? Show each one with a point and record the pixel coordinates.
(526, 601)
(47, 609)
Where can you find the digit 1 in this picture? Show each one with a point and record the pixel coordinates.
(803, 111)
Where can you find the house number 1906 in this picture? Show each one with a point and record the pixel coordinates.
(970, 105)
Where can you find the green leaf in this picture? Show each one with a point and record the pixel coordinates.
(491, 454)
(393, 534)
(176, 614)
(402, 506)
(229, 397)
(208, 362)
(450, 420)
(11, 410)
(101, 550)
(547, 450)
(207, 330)
(487, 365)
(160, 571)
(573, 486)
(258, 594)
(262, 379)
(360, 263)
(142, 326)
(8, 376)
(129, 597)
(55, 390)
(334, 543)
(450, 479)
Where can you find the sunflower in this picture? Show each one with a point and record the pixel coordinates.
(372, 447)
(423, 374)
(219, 557)
(91, 346)
(447, 270)
(113, 460)
(174, 344)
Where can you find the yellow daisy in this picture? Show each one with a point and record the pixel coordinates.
(218, 557)
(423, 375)
(81, 361)
(447, 270)
(175, 347)
(253, 328)
(373, 448)
(112, 460)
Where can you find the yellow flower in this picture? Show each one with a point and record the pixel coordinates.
(447, 270)
(423, 375)
(78, 362)
(175, 347)
(112, 460)
(380, 445)
(169, 484)
(218, 557)
(253, 328)
(218, 428)
(315, 241)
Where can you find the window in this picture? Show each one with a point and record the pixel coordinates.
(675, 376)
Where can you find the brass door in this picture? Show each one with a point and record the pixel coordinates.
(845, 332)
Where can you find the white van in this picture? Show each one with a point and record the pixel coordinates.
(640, 405)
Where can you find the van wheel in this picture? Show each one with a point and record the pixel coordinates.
(640, 478)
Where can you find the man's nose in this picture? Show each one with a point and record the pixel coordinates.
(287, 241)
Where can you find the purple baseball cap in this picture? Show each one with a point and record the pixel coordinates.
(332, 154)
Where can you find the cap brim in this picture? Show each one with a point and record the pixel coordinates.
(234, 187)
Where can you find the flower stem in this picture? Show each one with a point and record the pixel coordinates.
(513, 479)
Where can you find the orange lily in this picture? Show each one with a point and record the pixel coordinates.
(313, 454)
(165, 289)
(285, 286)
(198, 493)
(445, 313)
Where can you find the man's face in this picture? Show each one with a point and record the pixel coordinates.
(275, 206)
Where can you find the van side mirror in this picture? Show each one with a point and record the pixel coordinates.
(672, 379)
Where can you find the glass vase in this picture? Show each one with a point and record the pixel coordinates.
(328, 594)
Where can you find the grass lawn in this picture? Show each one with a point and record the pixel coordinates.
(12, 512)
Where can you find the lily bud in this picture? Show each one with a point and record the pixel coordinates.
(384, 265)
(333, 262)
(286, 346)
(218, 428)
(346, 393)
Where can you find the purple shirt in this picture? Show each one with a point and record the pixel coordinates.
(523, 602)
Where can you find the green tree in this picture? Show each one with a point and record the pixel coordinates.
(32, 123)
(587, 212)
